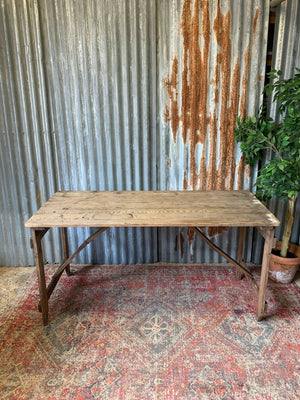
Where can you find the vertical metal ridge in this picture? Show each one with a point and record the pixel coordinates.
(83, 107)
(230, 49)
(285, 57)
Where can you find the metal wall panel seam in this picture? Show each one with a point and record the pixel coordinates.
(253, 36)
(83, 81)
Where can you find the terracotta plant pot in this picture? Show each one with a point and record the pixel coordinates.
(283, 269)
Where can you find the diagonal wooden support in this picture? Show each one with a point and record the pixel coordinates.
(36, 243)
(240, 253)
(264, 233)
(65, 243)
(149, 209)
(261, 303)
(56, 276)
(240, 267)
(38, 232)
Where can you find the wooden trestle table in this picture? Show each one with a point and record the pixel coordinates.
(192, 209)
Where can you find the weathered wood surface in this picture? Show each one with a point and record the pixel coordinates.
(152, 208)
(194, 209)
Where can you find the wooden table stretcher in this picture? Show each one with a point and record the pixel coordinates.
(192, 209)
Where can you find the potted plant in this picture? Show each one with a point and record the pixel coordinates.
(280, 175)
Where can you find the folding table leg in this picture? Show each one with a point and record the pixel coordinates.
(36, 237)
(66, 248)
(240, 253)
(261, 303)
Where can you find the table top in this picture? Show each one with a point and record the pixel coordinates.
(152, 208)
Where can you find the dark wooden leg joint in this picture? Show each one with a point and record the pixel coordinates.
(268, 234)
(65, 242)
(46, 291)
(36, 239)
(260, 290)
(240, 254)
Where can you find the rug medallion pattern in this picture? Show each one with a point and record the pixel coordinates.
(151, 332)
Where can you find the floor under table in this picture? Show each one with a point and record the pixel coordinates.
(12, 280)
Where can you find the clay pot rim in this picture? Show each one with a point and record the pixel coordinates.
(292, 248)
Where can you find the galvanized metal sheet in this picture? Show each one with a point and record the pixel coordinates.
(215, 54)
(285, 57)
(79, 113)
(88, 102)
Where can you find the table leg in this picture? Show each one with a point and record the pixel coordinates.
(261, 303)
(65, 242)
(36, 237)
(240, 253)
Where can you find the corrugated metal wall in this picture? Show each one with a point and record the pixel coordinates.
(214, 53)
(285, 57)
(79, 113)
(103, 95)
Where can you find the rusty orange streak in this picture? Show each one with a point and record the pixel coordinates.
(229, 87)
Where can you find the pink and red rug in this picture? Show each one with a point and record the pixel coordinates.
(152, 332)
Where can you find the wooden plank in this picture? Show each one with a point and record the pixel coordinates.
(240, 253)
(241, 268)
(264, 232)
(261, 302)
(37, 236)
(152, 208)
(66, 263)
(64, 236)
(173, 208)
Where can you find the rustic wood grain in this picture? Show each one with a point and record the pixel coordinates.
(193, 209)
(152, 208)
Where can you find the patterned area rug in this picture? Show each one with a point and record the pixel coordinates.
(151, 332)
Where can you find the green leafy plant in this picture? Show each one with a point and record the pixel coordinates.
(280, 176)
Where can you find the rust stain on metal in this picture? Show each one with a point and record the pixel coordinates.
(212, 167)
(191, 236)
(217, 96)
(185, 182)
(240, 172)
(232, 116)
(213, 231)
(171, 85)
(193, 114)
(255, 20)
(202, 118)
(166, 114)
(176, 243)
(248, 171)
(202, 176)
(221, 29)
(229, 86)
(243, 106)
(181, 244)
(39, 197)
